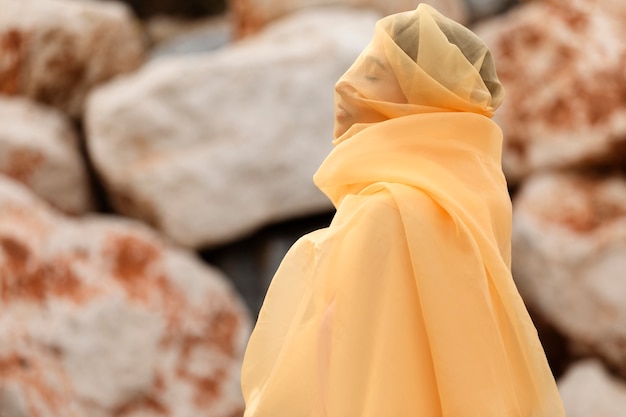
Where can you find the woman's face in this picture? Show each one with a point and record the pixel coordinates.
(370, 77)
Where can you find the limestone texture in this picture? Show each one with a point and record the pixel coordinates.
(569, 241)
(210, 147)
(562, 65)
(249, 16)
(55, 51)
(101, 317)
(40, 148)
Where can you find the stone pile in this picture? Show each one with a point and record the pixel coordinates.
(190, 139)
(101, 317)
(563, 64)
(55, 52)
(40, 148)
(564, 121)
(250, 16)
(226, 135)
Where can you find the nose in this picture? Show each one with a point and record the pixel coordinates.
(342, 87)
(345, 88)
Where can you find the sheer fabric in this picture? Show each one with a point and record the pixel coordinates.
(405, 306)
(437, 64)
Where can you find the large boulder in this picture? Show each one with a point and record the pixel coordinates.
(39, 148)
(249, 16)
(562, 65)
(208, 148)
(587, 389)
(569, 241)
(54, 51)
(101, 318)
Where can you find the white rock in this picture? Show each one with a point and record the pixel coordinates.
(569, 241)
(562, 65)
(101, 318)
(251, 15)
(587, 389)
(38, 147)
(210, 147)
(54, 51)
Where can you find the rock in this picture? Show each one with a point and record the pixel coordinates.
(589, 390)
(250, 16)
(562, 65)
(33, 381)
(55, 51)
(208, 148)
(172, 36)
(101, 318)
(39, 148)
(481, 9)
(569, 240)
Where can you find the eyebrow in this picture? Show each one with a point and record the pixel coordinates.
(376, 61)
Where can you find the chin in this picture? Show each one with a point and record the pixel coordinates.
(340, 129)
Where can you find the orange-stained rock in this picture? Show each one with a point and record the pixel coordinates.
(32, 381)
(562, 65)
(101, 317)
(613, 6)
(39, 148)
(569, 242)
(250, 16)
(55, 51)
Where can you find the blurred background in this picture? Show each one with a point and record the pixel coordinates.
(156, 163)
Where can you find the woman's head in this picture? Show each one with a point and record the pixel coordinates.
(417, 62)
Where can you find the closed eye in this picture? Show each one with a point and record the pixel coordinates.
(374, 68)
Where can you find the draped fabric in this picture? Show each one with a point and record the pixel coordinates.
(418, 62)
(405, 305)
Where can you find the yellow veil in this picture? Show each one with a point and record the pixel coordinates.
(437, 63)
(405, 306)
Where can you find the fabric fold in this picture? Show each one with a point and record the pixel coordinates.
(404, 305)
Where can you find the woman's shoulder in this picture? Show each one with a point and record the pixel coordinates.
(384, 202)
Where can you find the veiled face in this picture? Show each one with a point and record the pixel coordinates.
(371, 78)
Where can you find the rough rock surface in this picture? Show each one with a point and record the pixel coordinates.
(39, 148)
(569, 241)
(589, 390)
(101, 318)
(55, 51)
(562, 64)
(208, 148)
(251, 15)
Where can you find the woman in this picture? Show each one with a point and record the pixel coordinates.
(405, 306)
